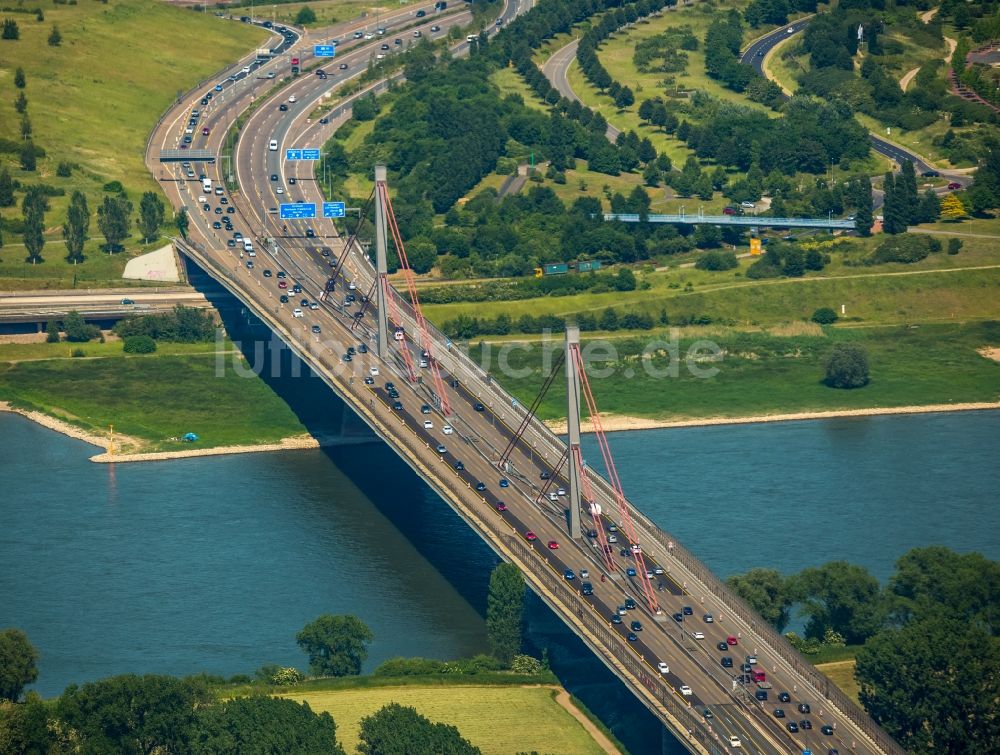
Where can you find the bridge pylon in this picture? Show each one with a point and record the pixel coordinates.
(381, 267)
(573, 430)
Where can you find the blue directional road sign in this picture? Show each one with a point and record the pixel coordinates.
(310, 154)
(296, 210)
(324, 51)
(334, 209)
(293, 154)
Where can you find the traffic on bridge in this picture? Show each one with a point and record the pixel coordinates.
(711, 670)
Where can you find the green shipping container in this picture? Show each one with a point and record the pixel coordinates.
(586, 267)
(556, 268)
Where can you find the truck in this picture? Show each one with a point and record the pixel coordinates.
(206, 185)
(263, 53)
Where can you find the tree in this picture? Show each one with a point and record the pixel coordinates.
(765, 591)
(139, 345)
(421, 254)
(17, 664)
(929, 207)
(6, 188)
(55, 38)
(336, 645)
(306, 15)
(52, 332)
(933, 685)
(263, 725)
(906, 183)
(895, 212)
(132, 714)
(21, 103)
(114, 221)
(928, 578)
(25, 127)
(841, 597)
(33, 207)
(10, 29)
(151, 215)
(19, 78)
(76, 227)
(398, 730)
(505, 612)
(182, 221)
(847, 366)
(824, 316)
(28, 156)
(79, 330)
(952, 208)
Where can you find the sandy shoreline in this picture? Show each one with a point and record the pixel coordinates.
(621, 423)
(127, 448)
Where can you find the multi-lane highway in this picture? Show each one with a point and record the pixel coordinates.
(692, 625)
(41, 307)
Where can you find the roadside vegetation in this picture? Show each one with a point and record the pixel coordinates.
(75, 118)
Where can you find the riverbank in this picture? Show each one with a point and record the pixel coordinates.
(621, 423)
(124, 448)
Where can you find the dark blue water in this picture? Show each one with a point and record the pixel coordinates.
(214, 564)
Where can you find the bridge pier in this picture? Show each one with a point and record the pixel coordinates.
(381, 266)
(573, 429)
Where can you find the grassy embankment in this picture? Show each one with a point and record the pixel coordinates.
(92, 102)
(146, 397)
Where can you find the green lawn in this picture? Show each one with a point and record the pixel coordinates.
(498, 720)
(150, 397)
(887, 294)
(328, 12)
(767, 373)
(841, 673)
(92, 101)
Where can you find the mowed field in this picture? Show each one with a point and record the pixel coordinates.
(92, 102)
(499, 720)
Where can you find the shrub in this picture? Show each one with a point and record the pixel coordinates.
(717, 260)
(114, 187)
(65, 169)
(847, 366)
(409, 667)
(78, 353)
(905, 247)
(286, 676)
(139, 345)
(525, 664)
(824, 316)
(954, 245)
(52, 332)
(78, 330)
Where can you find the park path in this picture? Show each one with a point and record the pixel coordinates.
(908, 76)
(563, 698)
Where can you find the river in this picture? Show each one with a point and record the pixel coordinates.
(214, 564)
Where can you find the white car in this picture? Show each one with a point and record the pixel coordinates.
(352, 286)
(246, 69)
(251, 252)
(296, 312)
(369, 36)
(561, 491)
(279, 190)
(735, 741)
(428, 425)
(424, 363)
(292, 98)
(663, 668)
(584, 574)
(553, 497)
(686, 690)
(447, 429)
(611, 538)
(373, 371)
(698, 635)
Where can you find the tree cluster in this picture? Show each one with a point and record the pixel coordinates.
(147, 714)
(723, 41)
(789, 260)
(181, 325)
(399, 730)
(903, 206)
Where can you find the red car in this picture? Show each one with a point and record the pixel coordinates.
(730, 640)
(954, 185)
(282, 284)
(553, 545)
(501, 506)
(728, 210)
(530, 536)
